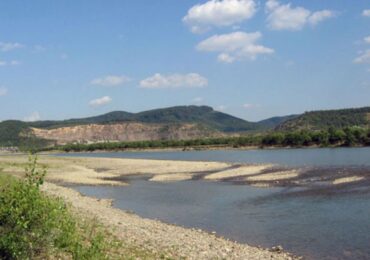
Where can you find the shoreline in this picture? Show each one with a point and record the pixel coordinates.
(177, 241)
(156, 236)
(185, 149)
(203, 148)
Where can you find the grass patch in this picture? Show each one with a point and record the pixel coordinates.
(36, 226)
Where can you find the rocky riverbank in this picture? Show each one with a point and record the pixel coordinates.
(151, 235)
(177, 242)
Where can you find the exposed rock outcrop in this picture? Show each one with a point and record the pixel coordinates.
(128, 131)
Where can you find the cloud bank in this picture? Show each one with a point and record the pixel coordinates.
(110, 81)
(35, 116)
(363, 58)
(366, 13)
(9, 46)
(219, 13)
(235, 46)
(100, 101)
(286, 17)
(190, 80)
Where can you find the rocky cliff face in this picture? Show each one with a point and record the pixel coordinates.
(129, 131)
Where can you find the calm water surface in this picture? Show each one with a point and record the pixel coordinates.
(289, 157)
(315, 226)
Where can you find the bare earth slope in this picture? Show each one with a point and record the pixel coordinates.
(128, 131)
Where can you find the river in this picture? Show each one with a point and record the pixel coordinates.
(316, 226)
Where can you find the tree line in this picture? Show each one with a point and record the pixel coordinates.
(347, 137)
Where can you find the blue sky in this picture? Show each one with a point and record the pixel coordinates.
(252, 59)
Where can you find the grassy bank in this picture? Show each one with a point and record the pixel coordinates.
(33, 225)
(36, 226)
(347, 137)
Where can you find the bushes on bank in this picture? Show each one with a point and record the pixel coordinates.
(34, 226)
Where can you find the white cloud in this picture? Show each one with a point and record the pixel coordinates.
(39, 48)
(35, 116)
(15, 62)
(221, 108)
(110, 80)
(289, 63)
(367, 39)
(100, 101)
(286, 17)
(3, 91)
(363, 58)
(197, 100)
(190, 80)
(366, 12)
(234, 46)
(320, 16)
(250, 106)
(11, 63)
(9, 46)
(226, 58)
(202, 17)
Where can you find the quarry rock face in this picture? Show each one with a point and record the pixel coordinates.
(129, 131)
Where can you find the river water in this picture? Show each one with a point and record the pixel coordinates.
(313, 226)
(288, 157)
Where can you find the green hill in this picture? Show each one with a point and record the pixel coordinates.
(203, 115)
(272, 122)
(112, 117)
(15, 133)
(317, 120)
(9, 132)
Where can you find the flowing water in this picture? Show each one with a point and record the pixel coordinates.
(289, 157)
(316, 226)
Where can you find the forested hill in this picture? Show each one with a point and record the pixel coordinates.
(317, 120)
(173, 115)
(16, 133)
(171, 123)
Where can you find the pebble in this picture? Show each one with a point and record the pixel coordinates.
(173, 241)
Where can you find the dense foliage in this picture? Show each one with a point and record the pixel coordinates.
(33, 226)
(194, 114)
(173, 115)
(350, 136)
(16, 133)
(181, 114)
(10, 132)
(318, 120)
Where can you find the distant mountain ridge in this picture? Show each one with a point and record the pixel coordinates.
(172, 123)
(173, 115)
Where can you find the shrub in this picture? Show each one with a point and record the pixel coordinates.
(33, 225)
